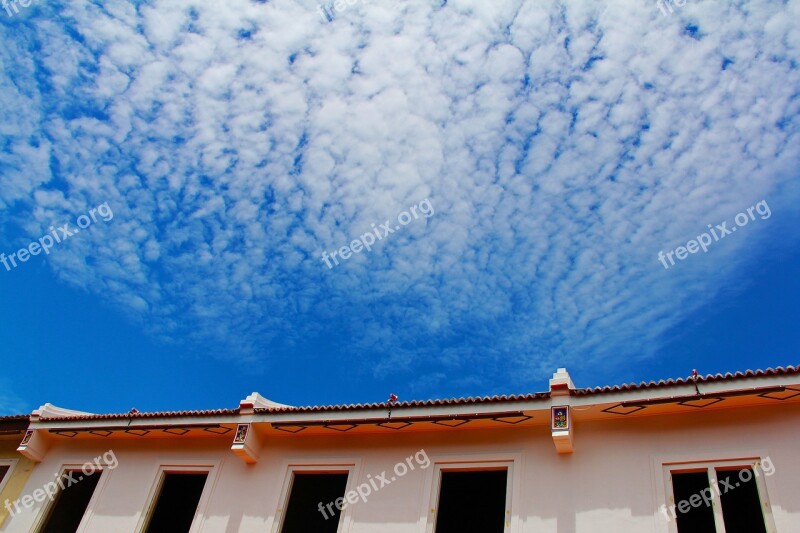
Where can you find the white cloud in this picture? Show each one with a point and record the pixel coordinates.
(562, 145)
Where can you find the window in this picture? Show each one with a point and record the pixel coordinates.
(177, 501)
(741, 508)
(66, 512)
(312, 504)
(5, 471)
(472, 500)
(697, 519)
(719, 497)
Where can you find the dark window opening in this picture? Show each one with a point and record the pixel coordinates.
(696, 519)
(177, 502)
(312, 502)
(741, 504)
(472, 501)
(69, 506)
(3, 471)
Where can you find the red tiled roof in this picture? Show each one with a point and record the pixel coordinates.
(13, 424)
(708, 378)
(630, 387)
(155, 414)
(13, 418)
(416, 403)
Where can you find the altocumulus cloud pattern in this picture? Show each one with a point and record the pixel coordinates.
(563, 145)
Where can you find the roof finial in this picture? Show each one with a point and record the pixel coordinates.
(695, 376)
(391, 402)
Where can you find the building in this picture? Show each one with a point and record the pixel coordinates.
(704, 453)
(14, 467)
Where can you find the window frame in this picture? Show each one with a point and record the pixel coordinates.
(472, 464)
(327, 467)
(11, 464)
(104, 471)
(211, 469)
(710, 467)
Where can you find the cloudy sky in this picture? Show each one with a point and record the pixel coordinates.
(213, 152)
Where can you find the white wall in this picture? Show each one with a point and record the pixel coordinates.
(612, 483)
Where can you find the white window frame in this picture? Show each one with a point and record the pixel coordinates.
(344, 467)
(44, 512)
(212, 469)
(710, 467)
(471, 464)
(12, 464)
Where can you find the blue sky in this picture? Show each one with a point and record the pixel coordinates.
(212, 153)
